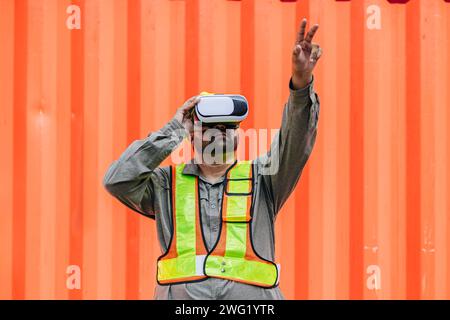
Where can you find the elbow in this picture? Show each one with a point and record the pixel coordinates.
(108, 185)
(115, 189)
(108, 182)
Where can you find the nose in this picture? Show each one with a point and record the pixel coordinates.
(220, 126)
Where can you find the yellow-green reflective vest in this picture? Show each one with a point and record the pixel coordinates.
(233, 256)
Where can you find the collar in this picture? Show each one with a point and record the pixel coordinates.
(192, 168)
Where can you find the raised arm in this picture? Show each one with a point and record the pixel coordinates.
(292, 146)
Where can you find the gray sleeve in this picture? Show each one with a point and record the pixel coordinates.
(282, 165)
(132, 178)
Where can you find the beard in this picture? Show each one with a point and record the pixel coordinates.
(216, 149)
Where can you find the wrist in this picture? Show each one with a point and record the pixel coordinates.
(300, 81)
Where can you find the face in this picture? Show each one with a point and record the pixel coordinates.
(215, 142)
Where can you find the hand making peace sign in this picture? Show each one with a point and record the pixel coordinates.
(304, 55)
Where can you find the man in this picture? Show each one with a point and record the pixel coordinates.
(209, 250)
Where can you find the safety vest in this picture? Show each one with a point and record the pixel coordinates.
(233, 256)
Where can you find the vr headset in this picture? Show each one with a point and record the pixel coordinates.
(221, 108)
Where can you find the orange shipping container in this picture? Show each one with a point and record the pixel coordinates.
(80, 80)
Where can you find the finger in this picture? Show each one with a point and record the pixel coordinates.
(194, 100)
(306, 46)
(314, 47)
(301, 34)
(319, 53)
(315, 56)
(190, 103)
(311, 33)
(297, 50)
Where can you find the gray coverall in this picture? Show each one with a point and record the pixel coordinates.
(137, 181)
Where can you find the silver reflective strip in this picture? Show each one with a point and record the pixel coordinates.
(279, 269)
(199, 262)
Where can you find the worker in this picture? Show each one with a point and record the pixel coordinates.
(215, 219)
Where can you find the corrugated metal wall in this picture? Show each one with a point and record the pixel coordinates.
(370, 216)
